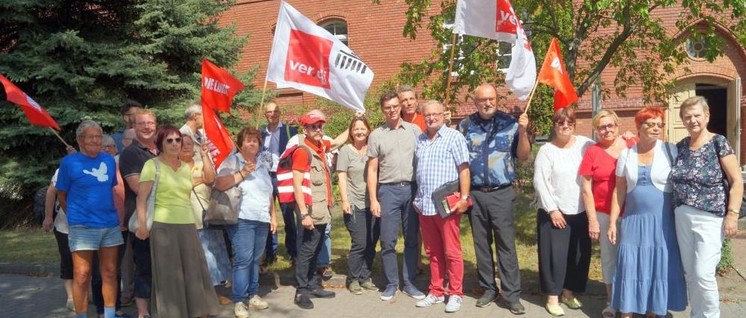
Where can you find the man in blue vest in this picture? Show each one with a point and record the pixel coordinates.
(275, 136)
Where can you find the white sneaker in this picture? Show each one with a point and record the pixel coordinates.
(240, 310)
(257, 303)
(70, 305)
(429, 301)
(454, 303)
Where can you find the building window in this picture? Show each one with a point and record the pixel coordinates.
(504, 52)
(696, 46)
(338, 28)
(504, 55)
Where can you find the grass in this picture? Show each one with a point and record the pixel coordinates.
(33, 246)
(28, 246)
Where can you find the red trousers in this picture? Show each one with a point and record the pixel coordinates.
(443, 245)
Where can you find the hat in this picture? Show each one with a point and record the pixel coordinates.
(312, 117)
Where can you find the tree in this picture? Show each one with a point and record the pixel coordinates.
(81, 59)
(628, 35)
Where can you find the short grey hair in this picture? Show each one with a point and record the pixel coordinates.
(193, 109)
(694, 101)
(85, 125)
(407, 88)
(107, 140)
(434, 102)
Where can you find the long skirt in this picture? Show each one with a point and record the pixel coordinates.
(182, 286)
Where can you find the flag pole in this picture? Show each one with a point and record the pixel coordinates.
(530, 97)
(59, 137)
(261, 104)
(450, 69)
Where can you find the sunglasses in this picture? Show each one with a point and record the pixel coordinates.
(606, 127)
(651, 125)
(172, 140)
(315, 127)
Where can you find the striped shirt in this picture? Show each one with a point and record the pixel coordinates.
(437, 162)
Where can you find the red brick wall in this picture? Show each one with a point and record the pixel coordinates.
(374, 34)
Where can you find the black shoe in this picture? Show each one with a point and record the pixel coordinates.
(321, 293)
(303, 301)
(487, 298)
(515, 308)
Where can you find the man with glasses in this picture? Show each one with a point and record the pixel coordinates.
(313, 212)
(495, 140)
(131, 161)
(391, 188)
(275, 136)
(442, 158)
(128, 110)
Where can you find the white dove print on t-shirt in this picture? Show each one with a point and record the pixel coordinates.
(99, 173)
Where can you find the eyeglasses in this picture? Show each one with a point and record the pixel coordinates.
(606, 127)
(109, 146)
(315, 127)
(172, 140)
(564, 122)
(390, 107)
(145, 123)
(481, 100)
(433, 115)
(648, 124)
(94, 137)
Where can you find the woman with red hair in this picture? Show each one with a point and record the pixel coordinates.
(649, 277)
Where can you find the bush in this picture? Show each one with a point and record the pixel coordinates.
(726, 258)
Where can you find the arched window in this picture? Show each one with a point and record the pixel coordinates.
(696, 46)
(338, 28)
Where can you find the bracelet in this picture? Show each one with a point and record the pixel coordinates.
(241, 174)
(733, 211)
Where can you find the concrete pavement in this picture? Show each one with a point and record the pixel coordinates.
(35, 291)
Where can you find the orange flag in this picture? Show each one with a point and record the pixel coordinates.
(553, 73)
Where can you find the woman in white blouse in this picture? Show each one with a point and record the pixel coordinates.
(561, 222)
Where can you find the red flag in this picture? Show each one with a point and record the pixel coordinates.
(220, 140)
(218, 87)
(553, 73)
(36, 115)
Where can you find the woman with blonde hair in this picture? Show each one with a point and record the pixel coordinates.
(597, 170)
(708, 188)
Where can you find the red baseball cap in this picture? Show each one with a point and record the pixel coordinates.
(312, 117)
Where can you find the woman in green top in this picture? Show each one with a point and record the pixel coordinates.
(181, 282)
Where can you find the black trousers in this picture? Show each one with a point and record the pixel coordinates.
(309, 246)
(564, 254)
(364, 233)
(491, 219)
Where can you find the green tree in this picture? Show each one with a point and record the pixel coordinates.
(628, 35)
(82, 59)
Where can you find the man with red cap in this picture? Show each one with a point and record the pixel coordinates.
(313, 216)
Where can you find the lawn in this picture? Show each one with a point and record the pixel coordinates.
(36, 246)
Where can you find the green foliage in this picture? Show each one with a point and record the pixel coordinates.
(82, 59)
(726, 258)
(635, 41)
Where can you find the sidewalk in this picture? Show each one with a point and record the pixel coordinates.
(33, 291)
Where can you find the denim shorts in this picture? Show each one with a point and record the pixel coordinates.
(84, 238)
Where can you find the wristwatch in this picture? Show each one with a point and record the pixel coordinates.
(465, 197)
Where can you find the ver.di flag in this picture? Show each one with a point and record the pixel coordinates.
(220, 143)
(305, 56)
(553, 73)
(218, 87)
(36, 115)
(496, 19)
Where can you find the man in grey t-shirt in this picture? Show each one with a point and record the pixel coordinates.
(391, 158)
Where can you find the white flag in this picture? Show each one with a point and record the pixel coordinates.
(496, 19)
(307, 57)
(492, 19)
(521, 75)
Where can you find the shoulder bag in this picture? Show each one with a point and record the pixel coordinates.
(223, 207)
(133, 224)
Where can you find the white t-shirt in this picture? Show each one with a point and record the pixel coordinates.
(60, 222)
(556, 178)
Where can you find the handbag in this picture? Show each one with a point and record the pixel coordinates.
(223, 207)
(133, 224)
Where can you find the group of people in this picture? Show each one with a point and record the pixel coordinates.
(623, 192)
(660, 212)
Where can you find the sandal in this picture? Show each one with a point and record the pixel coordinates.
(608, 312)
(555, 310)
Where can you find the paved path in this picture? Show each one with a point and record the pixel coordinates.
(42, 295)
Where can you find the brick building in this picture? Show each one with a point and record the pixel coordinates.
(374, 33)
